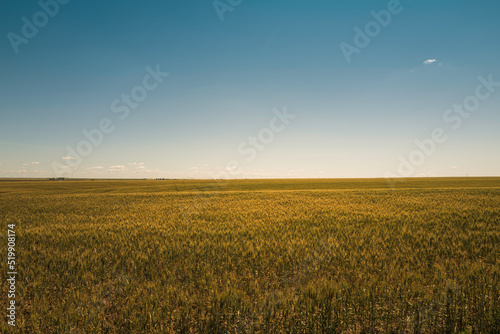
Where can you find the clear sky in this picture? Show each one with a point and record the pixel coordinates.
(274, 88)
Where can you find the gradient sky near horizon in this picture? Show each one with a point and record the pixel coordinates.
(228, 77)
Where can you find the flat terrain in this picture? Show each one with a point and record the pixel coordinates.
(254, 256)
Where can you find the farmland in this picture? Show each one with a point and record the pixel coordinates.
(254, 256)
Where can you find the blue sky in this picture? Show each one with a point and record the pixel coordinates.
(228, 79)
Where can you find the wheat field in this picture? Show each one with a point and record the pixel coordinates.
(421, 255)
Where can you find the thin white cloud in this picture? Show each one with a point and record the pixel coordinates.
(68, 158)
(31, 163)
(136, 163)
(430, 61)
(117, 168)
(429, 174)
(96, 167)
(295, 171)
(454, 167)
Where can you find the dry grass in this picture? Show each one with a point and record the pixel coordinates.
(255, 256)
